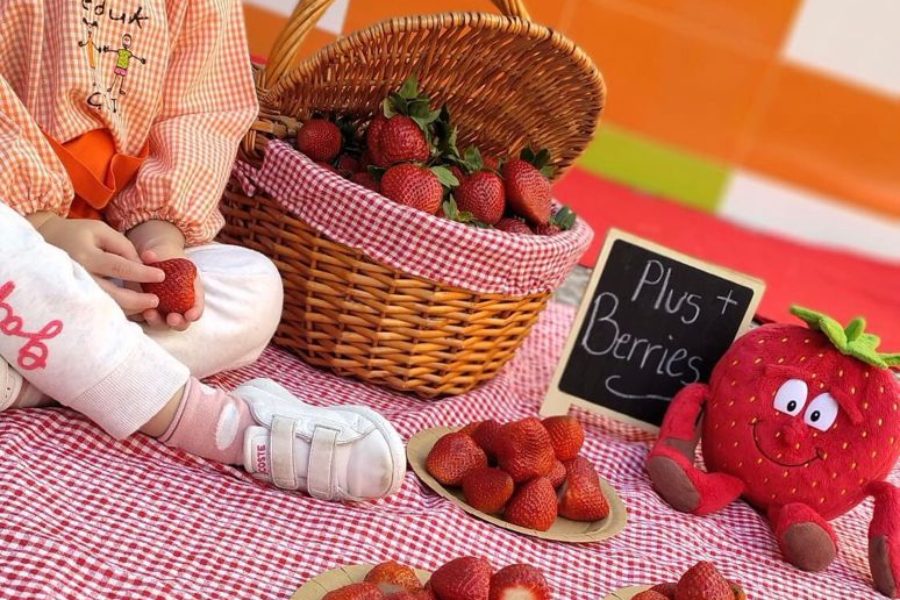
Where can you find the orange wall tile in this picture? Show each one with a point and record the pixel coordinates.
(759, 24)
(829, 136)
(666, 84)
(264, 26)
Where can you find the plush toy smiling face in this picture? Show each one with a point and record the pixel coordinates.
(799, 420)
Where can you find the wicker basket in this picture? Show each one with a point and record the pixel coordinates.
(509, 83)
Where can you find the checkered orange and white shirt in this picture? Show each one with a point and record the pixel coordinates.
(168, 77)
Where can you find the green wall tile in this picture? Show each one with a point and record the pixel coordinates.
(656, 168)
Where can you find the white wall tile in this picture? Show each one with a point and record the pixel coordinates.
(774, 207)
(855, 40)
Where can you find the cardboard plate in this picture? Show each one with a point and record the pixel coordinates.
(317, 587)
(563, 530)
(628, 593)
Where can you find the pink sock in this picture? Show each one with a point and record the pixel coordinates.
(209, 423)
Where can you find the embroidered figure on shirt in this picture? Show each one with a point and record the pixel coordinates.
(124, 56)
(90, 49)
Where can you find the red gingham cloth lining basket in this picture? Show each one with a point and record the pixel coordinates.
(479, 260)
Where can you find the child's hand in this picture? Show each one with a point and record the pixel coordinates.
(156, 241)
(106, 254)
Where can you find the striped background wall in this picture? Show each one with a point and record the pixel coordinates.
(782, 115)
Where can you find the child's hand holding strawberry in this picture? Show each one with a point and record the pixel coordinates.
(105, 254)
(157, 241)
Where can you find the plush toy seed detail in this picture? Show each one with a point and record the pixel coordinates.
(804, 423)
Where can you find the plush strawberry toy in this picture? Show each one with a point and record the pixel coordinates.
(804, 423)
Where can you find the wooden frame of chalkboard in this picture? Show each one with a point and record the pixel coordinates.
(651, 321)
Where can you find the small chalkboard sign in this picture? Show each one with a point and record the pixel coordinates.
(652, 320)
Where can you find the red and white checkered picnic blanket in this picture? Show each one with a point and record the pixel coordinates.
(479, 260)
(83, 516)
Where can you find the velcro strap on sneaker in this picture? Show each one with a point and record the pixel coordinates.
(281, 452)
(320, 479)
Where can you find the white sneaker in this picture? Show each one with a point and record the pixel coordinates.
(333, 453)
(10, 385)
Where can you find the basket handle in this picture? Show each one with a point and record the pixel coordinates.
(305, 16)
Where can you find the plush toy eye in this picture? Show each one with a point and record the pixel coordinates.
(791, 397)
(822, 412)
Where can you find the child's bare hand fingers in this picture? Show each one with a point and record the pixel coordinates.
(110, 240)
(131, 302)
(117, 267)
(196, 312)
(177, 322)
(154, 320)
(149, 257)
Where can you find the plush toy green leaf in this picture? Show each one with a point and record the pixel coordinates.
(851, 340)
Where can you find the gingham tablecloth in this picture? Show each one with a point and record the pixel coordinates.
(82, 516)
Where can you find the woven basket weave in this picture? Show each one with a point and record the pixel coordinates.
(509, 84)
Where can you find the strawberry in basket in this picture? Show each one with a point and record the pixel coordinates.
(408, 153)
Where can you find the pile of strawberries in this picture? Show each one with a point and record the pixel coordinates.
(466, 578)
(701, 582)
(530, 471)
(408, 153)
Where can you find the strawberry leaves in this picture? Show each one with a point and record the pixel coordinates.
(445, 176)
(452, 212)
(851, 341)
(564, 218)
(540, 160)
(409, 101)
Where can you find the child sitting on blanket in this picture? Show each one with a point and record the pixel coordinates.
(119, 122)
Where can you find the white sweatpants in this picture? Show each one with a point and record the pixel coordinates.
(68, 338)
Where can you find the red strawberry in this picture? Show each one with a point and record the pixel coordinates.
(413, 186)
(524, 449)
(372, 138)
(355, 591)
(453, 457)
(347, 165)
(471, 428)
(514, 225)
(483, 195)
(558, 475)
(466, 578)
(703, 582)
(579, 465)
(392, 577)
(176, 291)
(458, 173)
(402, 140)
(488, 489)
(666, 589)
(533, 505)
(581, 498)
(527, 191)
(547, 229)
(490, 162)
(519, 582)
(320, 140)
(566, 435)
(367, 180)
(650, 595)
(419, 595)
(486, 436)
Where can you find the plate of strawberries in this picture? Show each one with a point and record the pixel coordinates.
(703, 581)
(464, 577)
(527, 476)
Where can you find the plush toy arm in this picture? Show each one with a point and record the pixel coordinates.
(884, 539)
(681, 425)
(671, 461)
